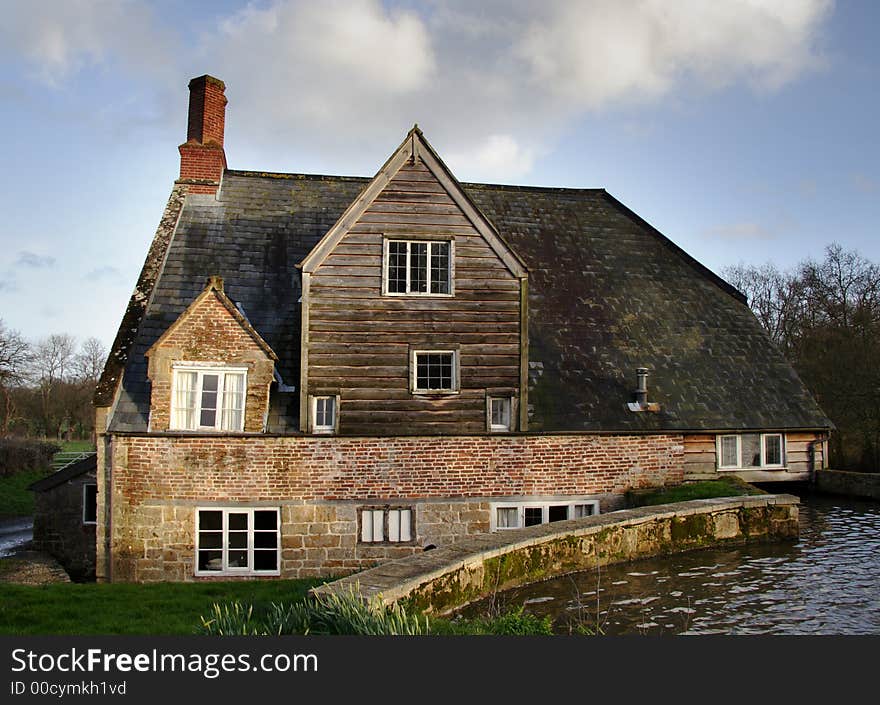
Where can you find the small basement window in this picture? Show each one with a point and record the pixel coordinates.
(434, 371)
(324, 414)
(515, 515)
(745, 451)
(208, 399)
(386, 525)
(90, 504)
(238, 541)
(418, 267)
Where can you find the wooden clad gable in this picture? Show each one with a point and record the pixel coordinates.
(358, 341)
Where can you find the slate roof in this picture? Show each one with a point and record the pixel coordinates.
(607, 294)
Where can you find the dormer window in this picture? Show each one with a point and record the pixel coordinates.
(208, 398)
(418, 268)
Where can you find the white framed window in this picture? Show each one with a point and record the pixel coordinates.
(744, 451)
(90, 504)
(417, 268)
(500, 414)
(386, 525)
(238, 541)
(517, 515)
(434, 371)
(208, 398)
(324, 414)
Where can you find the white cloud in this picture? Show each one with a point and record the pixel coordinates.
(741, 231)
(594, 54)
(58, 38)
(499, 157)
(494, 83)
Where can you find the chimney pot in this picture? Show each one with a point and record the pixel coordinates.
(642, 388)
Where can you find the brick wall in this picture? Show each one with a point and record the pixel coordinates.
(207, 332)
(320, 483)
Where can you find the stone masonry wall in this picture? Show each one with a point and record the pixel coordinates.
(59, 528)
(319, 483)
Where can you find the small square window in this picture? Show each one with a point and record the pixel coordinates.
(324, 414)
(434, 371)
(533, 516)
(499, 414)
(507, 517)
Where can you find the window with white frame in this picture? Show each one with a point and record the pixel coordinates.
(208, 398)
(750, 451)
(499, 414)
(516, 515)
(418, 267)
(386, 525)
(90, 504)
(324, 414)
(238, 541)
(434, 371)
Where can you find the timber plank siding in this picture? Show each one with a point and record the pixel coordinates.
(360, 341)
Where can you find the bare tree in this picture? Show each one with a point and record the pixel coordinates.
(51, 367)
(88, 363)
(15, 355)
(825, 317)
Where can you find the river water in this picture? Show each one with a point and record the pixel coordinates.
(827, 582)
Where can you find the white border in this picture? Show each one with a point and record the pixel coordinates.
(202, 368)
(413, 370)
(739, 465)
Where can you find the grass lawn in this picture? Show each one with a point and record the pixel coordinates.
(15, 499)
(707, 489)
(153, 609)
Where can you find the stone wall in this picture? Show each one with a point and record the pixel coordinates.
(443, 580)
(59, 529)
(851, 484)
(319, 484)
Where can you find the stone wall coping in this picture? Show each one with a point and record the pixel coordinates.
(397, 579)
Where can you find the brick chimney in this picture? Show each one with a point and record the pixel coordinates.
(202, 159)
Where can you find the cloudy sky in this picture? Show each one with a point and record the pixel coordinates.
(745, 130)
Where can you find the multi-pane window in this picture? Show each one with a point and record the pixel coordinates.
(90, 504)
(237, 541)
(499, 413)
(515, 515)
(386, 525)
(750, 450)
(418, 267)
(433, 371)
(208, 399)
(324, 414)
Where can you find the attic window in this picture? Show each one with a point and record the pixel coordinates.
(208, 399)
(418, 267)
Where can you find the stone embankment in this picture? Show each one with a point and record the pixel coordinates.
(851, 484)
(444, 579)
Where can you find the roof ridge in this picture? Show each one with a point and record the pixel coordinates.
(468, 184)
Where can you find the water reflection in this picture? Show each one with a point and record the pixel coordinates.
(828, 582)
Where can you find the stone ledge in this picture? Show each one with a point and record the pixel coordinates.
(443, 579)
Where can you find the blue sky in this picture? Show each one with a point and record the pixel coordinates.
(745, 131)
